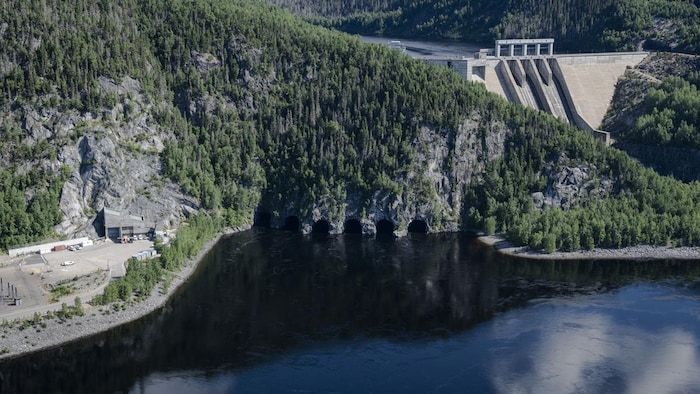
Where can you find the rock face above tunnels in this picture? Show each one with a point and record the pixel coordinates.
(445, 163)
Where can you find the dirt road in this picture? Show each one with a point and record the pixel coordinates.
(35, 275)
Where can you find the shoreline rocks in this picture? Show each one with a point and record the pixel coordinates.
(639, 252)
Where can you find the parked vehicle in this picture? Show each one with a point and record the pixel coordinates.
(67, 263)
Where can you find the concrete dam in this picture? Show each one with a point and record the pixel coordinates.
(577, 88)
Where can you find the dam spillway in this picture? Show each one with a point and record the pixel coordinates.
(577, 88)
(552, 93)
(522, 89)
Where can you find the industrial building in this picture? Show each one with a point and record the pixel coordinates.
(118, 225)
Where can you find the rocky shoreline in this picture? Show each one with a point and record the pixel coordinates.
(50, 333)
(639, 252)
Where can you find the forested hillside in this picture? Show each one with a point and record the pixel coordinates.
(655, 114)
(245, 107)
(64, 122)
(598, 25)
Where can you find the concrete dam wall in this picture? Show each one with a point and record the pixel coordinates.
(577, 88)
(591, 79)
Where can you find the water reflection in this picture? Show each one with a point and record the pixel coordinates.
(621, 342)
(191, 382)
(309, 312)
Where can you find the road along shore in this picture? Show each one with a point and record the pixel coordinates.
(50, 333)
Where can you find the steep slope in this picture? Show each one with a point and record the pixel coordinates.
(577, 25)
(655, 115)
(72, 112)
(246, 108)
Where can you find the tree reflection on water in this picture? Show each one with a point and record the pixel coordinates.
(263, 293)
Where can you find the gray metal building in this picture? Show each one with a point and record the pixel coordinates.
(118, 224)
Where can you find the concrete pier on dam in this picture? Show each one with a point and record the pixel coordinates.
(577, 88)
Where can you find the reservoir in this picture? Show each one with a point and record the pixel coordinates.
(274, 311)
(430, 49)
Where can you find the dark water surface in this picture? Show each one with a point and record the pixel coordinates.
(270, 311)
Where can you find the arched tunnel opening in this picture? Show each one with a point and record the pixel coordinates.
(385, 227)
(353, 226)
(262, 219)
(321, 227)
(292, 223)
(418, 226)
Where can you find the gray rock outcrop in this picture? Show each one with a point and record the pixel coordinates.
(113, 160)
(567, 185)
(432, 191)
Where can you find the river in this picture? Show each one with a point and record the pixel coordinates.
(273, 311)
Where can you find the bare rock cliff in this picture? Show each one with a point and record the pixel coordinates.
(113, 158)
(432, 191)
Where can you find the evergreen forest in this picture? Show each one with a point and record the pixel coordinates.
(263, 109)
(578, 25)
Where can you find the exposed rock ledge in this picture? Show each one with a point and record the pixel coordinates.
(20, 342)
(639, 252)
